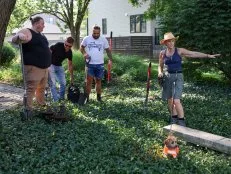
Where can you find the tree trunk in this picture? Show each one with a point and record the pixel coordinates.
(76, 36)
(75, 33)
(5, 12)
(77, 43)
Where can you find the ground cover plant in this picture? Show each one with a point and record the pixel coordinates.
(119, 135)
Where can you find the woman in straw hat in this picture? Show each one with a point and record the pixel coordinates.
(171, 58)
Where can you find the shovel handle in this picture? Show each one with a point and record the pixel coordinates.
(148, 82)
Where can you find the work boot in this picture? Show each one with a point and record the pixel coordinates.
(99, 98)
(83, 98)
(87, 98)
(181, 122)
(26, 115)
(174, 119)
(62, 109)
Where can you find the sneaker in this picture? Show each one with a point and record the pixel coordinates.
(174, 120)
(181, 123)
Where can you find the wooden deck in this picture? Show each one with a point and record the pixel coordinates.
(133, 45)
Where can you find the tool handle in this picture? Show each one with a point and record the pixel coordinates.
(108, 72)
(110, 41)
(148, 82)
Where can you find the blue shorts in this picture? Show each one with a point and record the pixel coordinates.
(95, 70)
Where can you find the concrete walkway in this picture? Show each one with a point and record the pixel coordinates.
(10, 96)
(198, 137)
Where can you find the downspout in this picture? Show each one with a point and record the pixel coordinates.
(87, 27)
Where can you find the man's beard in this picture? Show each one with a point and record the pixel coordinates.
(95, 37)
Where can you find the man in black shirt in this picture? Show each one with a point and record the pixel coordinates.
(36, 58)
(60, 51)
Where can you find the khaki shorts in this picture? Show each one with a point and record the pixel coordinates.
(172, 86)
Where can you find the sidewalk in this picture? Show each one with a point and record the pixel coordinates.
(10, 96)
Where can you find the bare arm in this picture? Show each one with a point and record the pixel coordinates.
(109, 54)
(82, 49)
(194, 54)
(24, 35)
(161, 64)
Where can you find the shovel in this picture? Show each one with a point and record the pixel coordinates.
(26, 113)
(148, 83)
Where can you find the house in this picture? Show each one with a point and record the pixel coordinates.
(132, 33)
(51, 31)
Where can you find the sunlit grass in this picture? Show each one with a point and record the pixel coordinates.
(119, 135)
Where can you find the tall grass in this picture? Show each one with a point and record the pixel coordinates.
(12, 73)
(198, 72)
(129, 68)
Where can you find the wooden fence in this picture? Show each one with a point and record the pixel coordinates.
(133, 45)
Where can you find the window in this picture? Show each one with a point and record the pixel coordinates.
(157, 36)
(137, 24)
(104, 26)
(51, 20)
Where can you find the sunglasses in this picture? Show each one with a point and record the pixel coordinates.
(68, 45)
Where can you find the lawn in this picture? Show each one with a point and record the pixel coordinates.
(119, 135)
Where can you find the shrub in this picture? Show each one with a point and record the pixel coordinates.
(12, 73)
(132, 66)
(8, 54)
(123, 66)
(78, 61)
(197, 72)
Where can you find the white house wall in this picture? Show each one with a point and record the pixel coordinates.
(117, 13)
(61, 36)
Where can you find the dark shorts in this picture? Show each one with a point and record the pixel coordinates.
(173, 86)
(96, 71)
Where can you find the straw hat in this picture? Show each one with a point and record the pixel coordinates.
(168, 36)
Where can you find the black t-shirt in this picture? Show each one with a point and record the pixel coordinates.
(36, 52)
(59, 54)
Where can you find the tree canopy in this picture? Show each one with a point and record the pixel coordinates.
(71, 13)
(21, 13)
(202, 26)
